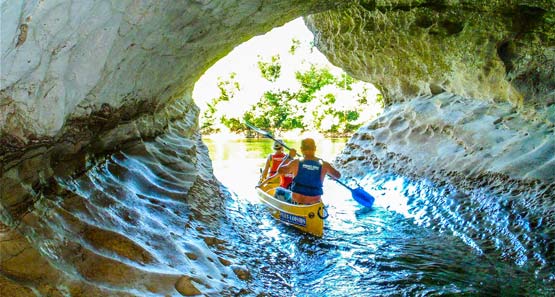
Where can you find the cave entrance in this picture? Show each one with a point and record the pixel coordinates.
(282, 84)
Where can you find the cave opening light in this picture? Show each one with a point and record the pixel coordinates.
(282, 83)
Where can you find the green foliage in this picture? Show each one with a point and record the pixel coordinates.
(303, 96)
(345, 82)
(328, 99)
(307, 108)
(362, 98)
(275, 111)
(380, 100)
(271, 71)
(233, 124)
(295, 44)
(315, 79)
(228, 90)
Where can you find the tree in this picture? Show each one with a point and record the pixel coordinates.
(315, 78)
(323, 102)
(211, 118)
(295, 44)
(345, 82)
(271, 71)
(275, 112)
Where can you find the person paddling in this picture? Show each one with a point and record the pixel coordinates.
(309, 172)
(273, 161)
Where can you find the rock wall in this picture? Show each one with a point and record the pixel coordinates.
(141, 222)
(496, 50)
(470, 86)
(64, 60)
(435, 136)
(81, 80)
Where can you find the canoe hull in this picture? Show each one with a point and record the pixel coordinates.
(306, 218)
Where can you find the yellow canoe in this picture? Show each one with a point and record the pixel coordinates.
(307, 218)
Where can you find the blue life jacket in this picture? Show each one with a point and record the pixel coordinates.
(307, 181)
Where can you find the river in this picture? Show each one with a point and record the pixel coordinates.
(408, 244)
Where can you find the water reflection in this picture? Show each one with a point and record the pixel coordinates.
(416, 241)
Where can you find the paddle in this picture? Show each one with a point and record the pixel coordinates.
(358, 194)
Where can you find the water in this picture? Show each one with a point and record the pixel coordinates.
(416, 241)
(153, 211)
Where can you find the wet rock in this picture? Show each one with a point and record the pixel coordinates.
(241, 271)
(185, 285)
(122, 246)
(11, 288)
(427, 50)
(122, 82)
(224, 262)
(191, 256)
(447, 133)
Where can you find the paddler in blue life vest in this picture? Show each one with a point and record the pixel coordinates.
(272, 163)
(309, 173)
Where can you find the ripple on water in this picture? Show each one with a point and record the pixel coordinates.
(417, 240)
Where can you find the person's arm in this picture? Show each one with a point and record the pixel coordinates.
(288, 158)
(266, 168)
(288, 167)
(263, 182)
(331, 170)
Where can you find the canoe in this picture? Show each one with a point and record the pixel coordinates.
(307, 218)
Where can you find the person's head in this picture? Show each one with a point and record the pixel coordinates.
(278, 146)
(308, 146)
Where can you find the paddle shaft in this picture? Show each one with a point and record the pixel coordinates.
(358, 194)
(268, 135)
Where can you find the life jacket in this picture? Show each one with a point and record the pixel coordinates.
(308, 180)
(277, 158)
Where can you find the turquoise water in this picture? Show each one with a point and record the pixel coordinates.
(414, 242)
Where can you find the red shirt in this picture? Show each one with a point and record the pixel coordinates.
(277, 158)
(285, 180)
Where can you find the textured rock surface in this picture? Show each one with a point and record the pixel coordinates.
(134, 224)
(491, 67)
(478, 169)
(447, 133)
(62, 60)
(501, 50)
(84, 78)
(81, 80)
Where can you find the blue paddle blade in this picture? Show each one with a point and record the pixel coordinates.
(363, 197)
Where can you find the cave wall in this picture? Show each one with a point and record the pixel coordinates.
(66, 63)
(81, 78)
(85, 87)
(495, 50)
(468, 83)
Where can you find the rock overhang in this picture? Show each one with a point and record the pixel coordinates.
(69, 80)
(76, 84)
(139, 61)
(492, 51)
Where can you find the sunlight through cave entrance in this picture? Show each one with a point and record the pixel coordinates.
(282, 84)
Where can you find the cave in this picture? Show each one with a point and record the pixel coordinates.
(106, 188)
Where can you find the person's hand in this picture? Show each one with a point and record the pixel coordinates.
(292, 153)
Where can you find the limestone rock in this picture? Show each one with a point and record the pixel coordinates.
(241, 271)
(102, 167)
(186, 286)
(485, 50)
(448, 133)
